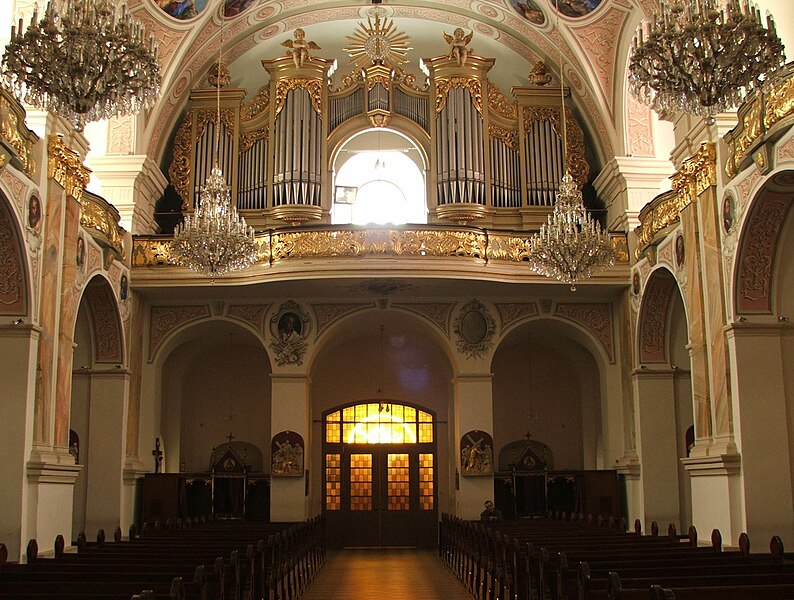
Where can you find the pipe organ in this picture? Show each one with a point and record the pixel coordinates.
(491, 160)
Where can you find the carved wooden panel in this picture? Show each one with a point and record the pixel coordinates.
(253, 314)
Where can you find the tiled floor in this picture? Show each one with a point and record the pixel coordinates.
(385, 574)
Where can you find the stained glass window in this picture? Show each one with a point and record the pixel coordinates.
(379, 423)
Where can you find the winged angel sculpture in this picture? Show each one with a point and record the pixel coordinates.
(458, 43)
(299, 47)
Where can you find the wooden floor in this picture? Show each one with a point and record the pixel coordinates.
(392, 574)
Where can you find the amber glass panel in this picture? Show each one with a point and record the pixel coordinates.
(425, 433)
(379, 423)
(333, 432)
(333, 482)
(360, 482)
(398, 482)
(426, 481)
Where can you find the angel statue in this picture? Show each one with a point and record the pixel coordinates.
(299, 47)
(457, 45)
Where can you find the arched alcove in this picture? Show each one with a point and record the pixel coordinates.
(665, 411)
(97, 407)
(215, 381)
(384, 355)
(548, 384)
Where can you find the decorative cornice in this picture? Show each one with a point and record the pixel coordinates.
(66, 168)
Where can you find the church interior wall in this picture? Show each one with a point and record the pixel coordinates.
(80, 411)
(416, 371)
(215, 384)
(545, 385)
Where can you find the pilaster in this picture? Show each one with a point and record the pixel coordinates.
(290, 412)
(133, 184)
(473, 411)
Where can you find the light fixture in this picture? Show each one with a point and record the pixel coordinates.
(85, 60)
(215, 239)
(702, 56)
(570, 246)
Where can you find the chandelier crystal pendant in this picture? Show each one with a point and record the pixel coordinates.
(85, 60)
(570, 246)
(702, 57)
(215, 239)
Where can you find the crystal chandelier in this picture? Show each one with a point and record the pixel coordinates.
(215, 239)
(702, 56)
(570, 246)
(84, 60)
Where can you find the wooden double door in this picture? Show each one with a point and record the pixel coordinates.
(380, 495)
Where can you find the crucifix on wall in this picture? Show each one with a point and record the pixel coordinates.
(158, 456)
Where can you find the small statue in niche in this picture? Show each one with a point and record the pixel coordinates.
(458, 43)
(299, 47)
(476, 459)
(288, 459)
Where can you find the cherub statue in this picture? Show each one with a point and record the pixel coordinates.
(457, 45)
(299, 47)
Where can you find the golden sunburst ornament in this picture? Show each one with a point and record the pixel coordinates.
(378, 42)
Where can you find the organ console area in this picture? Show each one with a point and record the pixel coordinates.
(492, 157)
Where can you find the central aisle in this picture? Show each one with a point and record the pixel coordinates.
(396, 574)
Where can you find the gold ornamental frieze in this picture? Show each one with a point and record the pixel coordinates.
(577, 164)
(380, 78)
(65, 167)
(758, 115)
(258, 105)
(657, 215)
(153, 252)
(779, 103)
(102, 220)
(282, 246)
(314, 87)
(499, 103)
(508, 136)
(249, 139)
(445, 84)
(513, 248)
(19, 137)
(180, 167)
(696, 174)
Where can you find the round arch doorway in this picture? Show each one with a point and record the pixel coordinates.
(379, 474)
